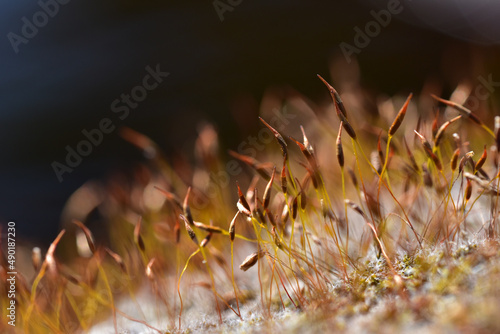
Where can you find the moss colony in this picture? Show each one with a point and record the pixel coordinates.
(356, 214)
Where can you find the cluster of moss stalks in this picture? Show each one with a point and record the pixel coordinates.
(384, 220)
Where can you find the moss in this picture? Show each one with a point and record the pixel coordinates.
(412, 263)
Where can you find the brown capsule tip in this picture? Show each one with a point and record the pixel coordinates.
(470, 160)
(270, 217)
(243, 209)
(255, 199)
(170, 196)
(206, 240)
(333, 91)
(437, 162)
(465, 111)
(339, 105)
(276, 238)
(186, 208)
(278, 136)
(468, 190)
(353, 177)
(251, 260)
(307, 154)
(454, 159)
(435, 97)
(284, 214)
(428, 151)
(243, 200)
(295, 207)
(439, 134)
(232, 232)
(243, 158)
(356, 208)
(189, 230)
(208, 228)
(339, 135)
(240, 193)
(400, 116)
(49, 257)
(481, 160)
(376, 162)
(283, 178)
(314, 178)
(326, 83)
(88, 235)
(303, 200)
(312, 175)
(117, 258)
(232, 227)
(307, 144)
(299, 144)
(434, 126)
(186, 198)
(262, 170)
(340, 150)
(461, 165)
(267, 192)
(348, 128)
(261, 216)
(419, 135)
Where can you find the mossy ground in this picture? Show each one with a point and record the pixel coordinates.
(454, 290)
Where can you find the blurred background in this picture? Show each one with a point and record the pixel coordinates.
(62, 77)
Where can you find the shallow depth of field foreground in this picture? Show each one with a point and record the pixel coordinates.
(354, 213)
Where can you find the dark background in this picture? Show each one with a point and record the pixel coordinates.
(65, 78)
